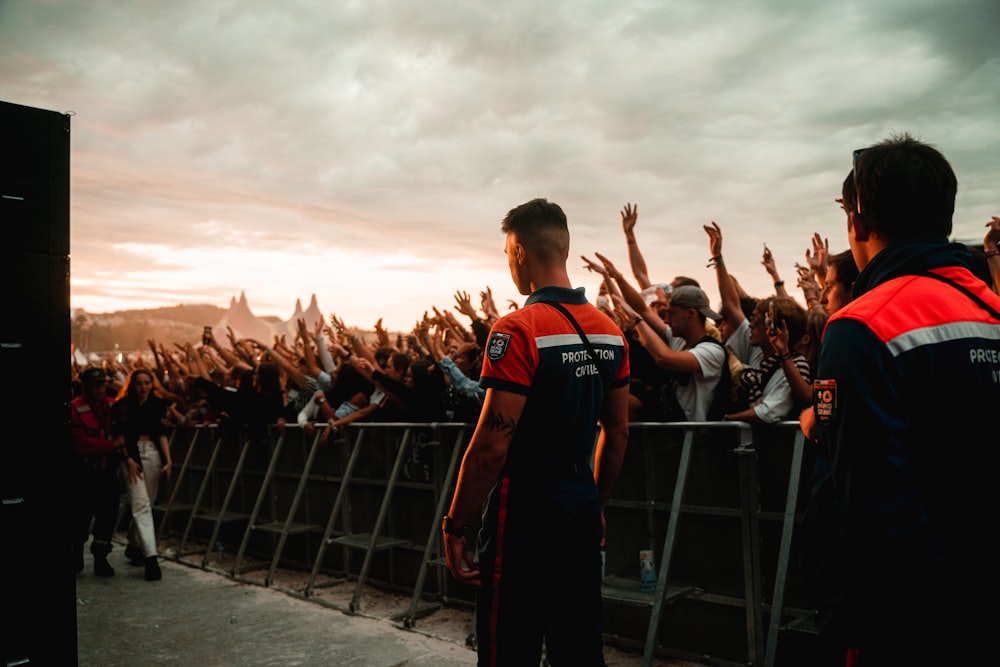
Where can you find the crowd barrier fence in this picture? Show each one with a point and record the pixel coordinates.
(716, 502)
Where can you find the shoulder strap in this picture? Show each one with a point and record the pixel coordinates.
(722, 394)
(605, 374)
(710, 339)
(964, 290)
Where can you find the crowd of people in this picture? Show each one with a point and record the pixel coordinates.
(751, 360)
(756, 359)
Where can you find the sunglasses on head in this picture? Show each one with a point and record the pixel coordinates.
(854, 171)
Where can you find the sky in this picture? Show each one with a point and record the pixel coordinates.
(365, 152)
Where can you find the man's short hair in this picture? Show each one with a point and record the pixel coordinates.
(681, 281)
(540, 226)
(906, 189)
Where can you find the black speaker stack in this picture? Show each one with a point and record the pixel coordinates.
(38, 624)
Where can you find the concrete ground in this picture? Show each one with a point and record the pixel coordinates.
(195, 617)
(198, 617)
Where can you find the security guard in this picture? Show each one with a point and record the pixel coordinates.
(96, 487)
(556, 376)
(897, 541)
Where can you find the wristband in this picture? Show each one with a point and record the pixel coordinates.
(636, 320)
(992, 253)
(448, 529)
(780, 283)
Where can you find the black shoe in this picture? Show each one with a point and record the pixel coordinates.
(135, 555)
(102, 568)
(153, 569)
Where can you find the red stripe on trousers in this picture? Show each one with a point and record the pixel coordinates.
(497, 564)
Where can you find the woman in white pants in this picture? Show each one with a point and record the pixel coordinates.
(138, 422)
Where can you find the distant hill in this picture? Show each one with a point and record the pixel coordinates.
(130, 330)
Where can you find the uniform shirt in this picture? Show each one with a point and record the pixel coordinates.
(535, 351)
(907, 394)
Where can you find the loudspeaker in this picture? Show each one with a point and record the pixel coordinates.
(39, 590)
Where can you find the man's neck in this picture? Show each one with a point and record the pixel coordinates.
(556, 277)
(695, 336)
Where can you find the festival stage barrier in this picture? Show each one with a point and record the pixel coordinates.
(716, 503)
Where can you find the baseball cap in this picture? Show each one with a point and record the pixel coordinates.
(94, 376)
(689, 296)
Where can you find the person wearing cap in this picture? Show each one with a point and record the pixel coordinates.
(682, 345)
(679, 342)
(96, 486)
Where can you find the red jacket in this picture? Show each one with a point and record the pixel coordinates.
(91, 435)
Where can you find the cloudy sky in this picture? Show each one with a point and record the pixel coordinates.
(366, 151)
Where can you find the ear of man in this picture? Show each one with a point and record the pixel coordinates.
(860, 228)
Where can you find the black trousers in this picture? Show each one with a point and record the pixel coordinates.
(540, 561)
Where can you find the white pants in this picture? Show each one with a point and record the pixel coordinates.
(141, 496)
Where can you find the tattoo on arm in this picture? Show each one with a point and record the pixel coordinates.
(495, 421)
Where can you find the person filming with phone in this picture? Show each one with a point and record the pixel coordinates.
(765, 393)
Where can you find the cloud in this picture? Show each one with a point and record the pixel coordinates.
(398, 134)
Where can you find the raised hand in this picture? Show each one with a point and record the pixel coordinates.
(992, 239)
(714, 239)
(594, 267)
(337, 324)
(381, 333)
(489, 308)
(817, 259)
(630, 214)
(464, 304)
(768, 262)
(610, 269)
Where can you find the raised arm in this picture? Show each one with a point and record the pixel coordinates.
(598, 267)
(818, 259)
(630, 215)
(731, 310)
(489, 307)
(308, 348)
(802, 392)
(772, 270)
(240, 356)
(463, 304)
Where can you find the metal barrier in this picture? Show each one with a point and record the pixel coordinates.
(716, 501)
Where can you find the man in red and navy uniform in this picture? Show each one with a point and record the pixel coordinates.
(97, 488)
(897, 538)
(557, 379)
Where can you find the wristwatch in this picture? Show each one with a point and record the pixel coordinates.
(448, 528)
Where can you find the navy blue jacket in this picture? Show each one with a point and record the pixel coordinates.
(896, 535)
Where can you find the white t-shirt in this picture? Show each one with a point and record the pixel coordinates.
(777, 403)
(739, 343)
(695, 397)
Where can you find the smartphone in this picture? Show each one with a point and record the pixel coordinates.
(206, 336)
(772, 318)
